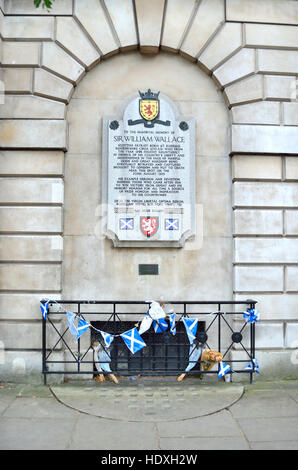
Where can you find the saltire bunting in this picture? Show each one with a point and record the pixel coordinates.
(191, 326)
(71, 325)
(82, 327)
(250, 366)
(194, 356)
(172, 324)
(251, 315)
(133, 340)
(223, 369)
(145, 324)
(108, 338)
(160, 325)
(44, 309)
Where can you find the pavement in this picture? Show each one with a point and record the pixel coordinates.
(150, 415)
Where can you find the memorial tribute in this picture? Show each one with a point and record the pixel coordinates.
(148, 168)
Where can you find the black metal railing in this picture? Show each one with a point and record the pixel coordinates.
(165, 354)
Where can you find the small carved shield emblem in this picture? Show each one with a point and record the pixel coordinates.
(149, 225)
(149, 109)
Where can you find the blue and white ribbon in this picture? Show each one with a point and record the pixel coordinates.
(250, 366)
(251, 315)
(223, 369)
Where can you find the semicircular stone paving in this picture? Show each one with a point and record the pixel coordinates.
(148, 400)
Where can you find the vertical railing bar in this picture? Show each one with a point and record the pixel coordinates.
(79, 341)
(219, 332)
(44, 339)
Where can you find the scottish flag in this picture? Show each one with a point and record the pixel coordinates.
(71, 325)
(82, 327)
(126, 224)
(160, 326)
(223, 369)
(172, 324)
(108, 339)
(191, 326)
(133, 340)
(44, 309)
(250, 367)
(251, 315)
(172, 224)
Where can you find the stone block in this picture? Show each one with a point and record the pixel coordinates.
(48, 85)
(20, 53)
(279, 87)
(278, 61)
(268, 335)
(223, 45)
(30, 277)
(33, 248)
(90, 14)
(240, 65)
(70, 36)
(261, 112)
(270, 36)
(257, 167)
(122, 15)
(82, 194)
(208, 18)
(28, 27)
(292, 278)
(31, 162)
(31, 107)
(258, 222)
(264, 139)
(31, 219)
(249, 89)
(149, 20)
(23, 7)
(175, 25)
(262, 11)
(291, 337)
(30, 191)
(273, 365)
(27, 133)
(291, 222)
(56, 60)
(266, 250)
(17, 80)
(27, 335)
(274, 306)
(266, 194)
(290, 111)
(291, 168)
(24, 306)
(258, 279)
(25, 367)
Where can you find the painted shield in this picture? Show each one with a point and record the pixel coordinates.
(149, 109)
(149, 225)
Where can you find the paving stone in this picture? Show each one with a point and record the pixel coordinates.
(210, 443)
(269, 429)
(28, 407)
(264, 404)
(35, 433)
(276, 445)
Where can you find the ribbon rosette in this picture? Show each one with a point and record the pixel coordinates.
(251, 315)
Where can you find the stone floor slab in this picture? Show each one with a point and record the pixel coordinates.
(35, 434)
(269, 429)
(220, 424)
(275, 445)
(134, 401)
(215, 443)
(100, 434)
(264, 405)
(26, 407)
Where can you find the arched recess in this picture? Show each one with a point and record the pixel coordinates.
(92, 267)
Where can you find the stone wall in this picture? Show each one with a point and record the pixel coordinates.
(250, 50)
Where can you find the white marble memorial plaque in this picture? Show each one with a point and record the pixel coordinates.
(148, 174)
